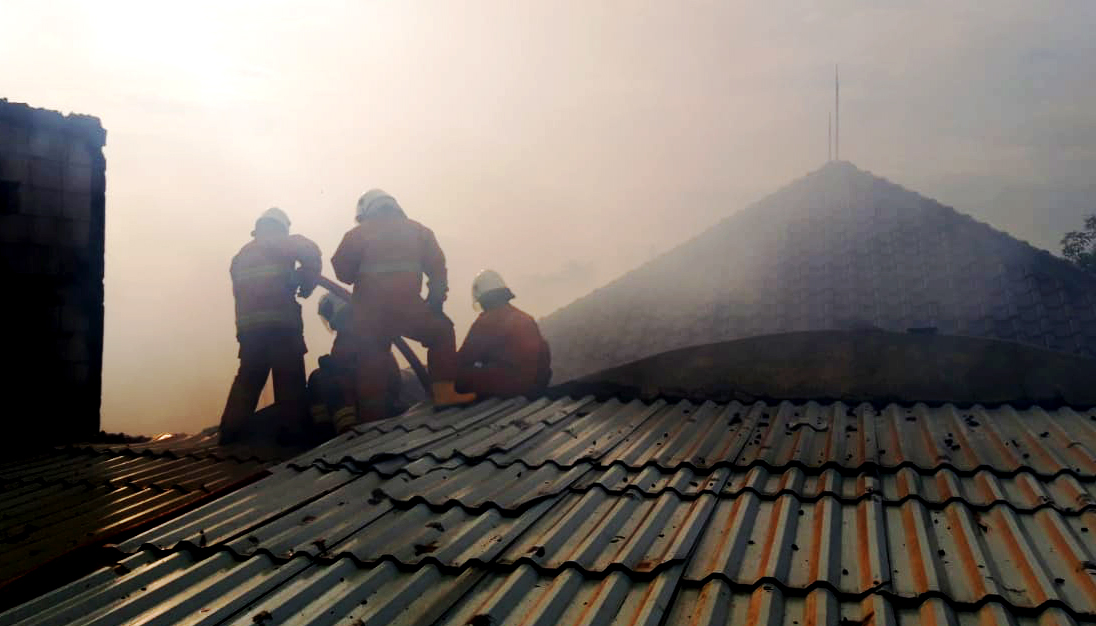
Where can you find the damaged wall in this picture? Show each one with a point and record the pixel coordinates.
(52, 184)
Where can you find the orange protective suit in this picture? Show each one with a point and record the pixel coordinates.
(385, 257)
(504, 354)
(265, 282)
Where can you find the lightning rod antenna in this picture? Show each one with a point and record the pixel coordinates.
(837, 115)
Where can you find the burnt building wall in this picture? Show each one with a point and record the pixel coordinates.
(52, 183)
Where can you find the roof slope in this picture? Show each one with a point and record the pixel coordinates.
(836, 249)
(598, 511)
(61, 499)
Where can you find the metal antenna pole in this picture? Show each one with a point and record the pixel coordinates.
(837, 115)
(829, 137)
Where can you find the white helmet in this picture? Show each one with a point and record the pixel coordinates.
(332, 309)
(486, 282)
(375, 201)
(276, 215)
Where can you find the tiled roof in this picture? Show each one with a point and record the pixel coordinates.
(597, 511)
(57, 500)
(837, 249)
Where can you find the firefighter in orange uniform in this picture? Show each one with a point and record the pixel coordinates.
(331, 386)
(268, 274)
(504, 353)
(385, 258)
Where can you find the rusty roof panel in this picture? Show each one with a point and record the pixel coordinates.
(206, 474)
(854, 548)
(811, 435)
(1003, 439)
(47, 526)
(513, 486)
(969, 556)
(717, 603)
(223, 590)
(596, 531)
(780, 510)
(67, 498)
(1027, 559)
(221, 520)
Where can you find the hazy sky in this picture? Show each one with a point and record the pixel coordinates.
(559, 142)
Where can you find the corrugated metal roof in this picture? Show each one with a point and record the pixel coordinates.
(220, 589)
(575, 510)
(61, 499)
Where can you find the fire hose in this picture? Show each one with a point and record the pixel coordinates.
(401, 345)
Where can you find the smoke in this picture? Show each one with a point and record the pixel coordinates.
(556, 143)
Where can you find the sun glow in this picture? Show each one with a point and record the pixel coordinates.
(177, 50)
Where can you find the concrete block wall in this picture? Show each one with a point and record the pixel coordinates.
(52, 184)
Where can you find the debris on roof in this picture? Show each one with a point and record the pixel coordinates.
(60, 500)
(597, 511)
(836, 249)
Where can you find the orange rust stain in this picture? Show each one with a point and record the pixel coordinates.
(753, 614)
(821, 512)
(770, 539)
(966, 450)
(810, 610)
(1028, 489)
(944, 486)
(862, 555)
(725, 534)
(1002, 450)
(1073, 561)
(1020, 562)
(904, 486)
(927, 440)
(967, 559)
(590, 604)
(914, 549)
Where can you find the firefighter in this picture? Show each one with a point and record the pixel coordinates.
(385, 258)
(504, 353)
(331, 385)
(268, 275)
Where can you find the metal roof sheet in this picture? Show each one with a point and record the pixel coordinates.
(61, 499)
(513, 509)
(567, 432)
(223, 590)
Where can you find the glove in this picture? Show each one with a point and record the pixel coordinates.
(435, 296)
(306, 284)
(436, 303)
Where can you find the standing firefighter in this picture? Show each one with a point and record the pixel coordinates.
(268, 274)
(385, 257)
(504, 353)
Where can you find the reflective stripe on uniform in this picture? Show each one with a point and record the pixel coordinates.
(260, 272)
(345, 418)
(320, 414)
(390, 267)
(266, 318)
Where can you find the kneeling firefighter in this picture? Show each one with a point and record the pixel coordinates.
(504, 353)
(331, 386)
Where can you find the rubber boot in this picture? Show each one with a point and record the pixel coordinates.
(345, 419)
(445, 394)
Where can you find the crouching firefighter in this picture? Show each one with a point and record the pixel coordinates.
(385, 258)
(268, 275)
(331, 386)
(504, 353)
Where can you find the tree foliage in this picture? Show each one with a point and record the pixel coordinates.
(1079, 246)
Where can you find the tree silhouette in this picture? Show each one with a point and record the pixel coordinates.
(1079, 246)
